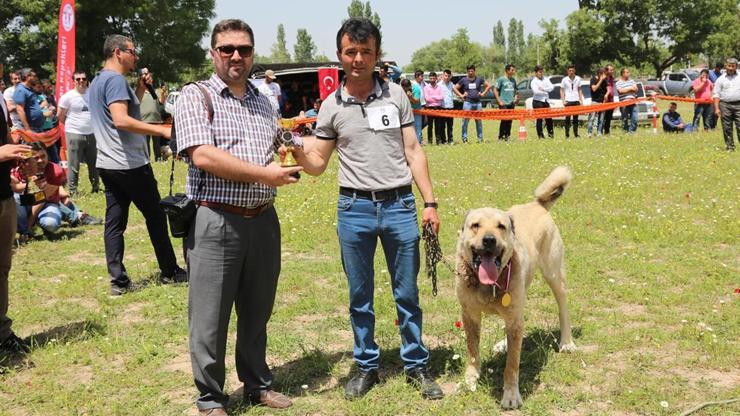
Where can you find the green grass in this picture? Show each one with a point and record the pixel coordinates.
(650, 224)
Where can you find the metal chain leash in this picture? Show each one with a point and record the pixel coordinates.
(433, 255)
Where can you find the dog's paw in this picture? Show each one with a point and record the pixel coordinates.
(569, 347)
(500, 347)
(511, 399)
(471, 378)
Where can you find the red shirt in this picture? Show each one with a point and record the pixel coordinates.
(53, 174)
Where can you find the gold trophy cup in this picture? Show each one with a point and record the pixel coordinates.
(286, 138)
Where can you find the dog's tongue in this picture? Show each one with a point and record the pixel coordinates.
(487, 271)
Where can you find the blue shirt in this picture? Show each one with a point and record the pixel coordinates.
(472, 87)
(29, 100)
(118, 149)
(713, 76)
(671, 121)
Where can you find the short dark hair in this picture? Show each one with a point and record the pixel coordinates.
(448, 72)
(432, 74)
(538, 68)
(704, 71)
(623, 70)
(37, 146)
(718, 65)
(600, 71)
(418, 72)
(571, 66)
(673, 104)
(405, 83)
(25, 73)
(358, 30)
(508, 67)
(231, 25)
(470, 67)
(113, 42)
(78, 72)
(45, 81)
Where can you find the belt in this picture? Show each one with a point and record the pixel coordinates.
(376, 195)
(237, 210)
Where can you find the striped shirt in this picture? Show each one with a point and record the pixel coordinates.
(622, 84)
(246, 127)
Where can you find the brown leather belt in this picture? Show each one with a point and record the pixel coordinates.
(237, 210)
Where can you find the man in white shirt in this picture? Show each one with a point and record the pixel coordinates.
(449, 103)
(727, 102)
(627, 89)
(571, 95)
(15, 79)
(272, 89)
(541, 88)
(74, 113)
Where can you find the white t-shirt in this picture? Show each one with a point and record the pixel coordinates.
(571, 88)
(78, 114)
(269, 92)
(8, 95)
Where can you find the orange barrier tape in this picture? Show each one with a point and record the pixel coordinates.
(48, 137)
(525, 114)
(684, 99)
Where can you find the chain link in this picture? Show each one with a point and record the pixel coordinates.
(433, 254)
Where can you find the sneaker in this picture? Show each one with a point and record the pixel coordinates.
(420, 378)
(360, 384)
(180, 276)
(87, 219)
(14, 344)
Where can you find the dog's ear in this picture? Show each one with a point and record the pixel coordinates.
(511, 220)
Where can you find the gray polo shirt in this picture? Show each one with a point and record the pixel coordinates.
(117, 149)
(369, 140)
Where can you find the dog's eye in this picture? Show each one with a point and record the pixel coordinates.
(474, 226)
(502, 227)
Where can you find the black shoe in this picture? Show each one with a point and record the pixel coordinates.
(87, 219)
(420, 378)
(16, 345)
(360, 384)
(116, 290)
(180, 276)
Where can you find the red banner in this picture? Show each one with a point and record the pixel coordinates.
(328, 81)
(65, 48)
(65, 59)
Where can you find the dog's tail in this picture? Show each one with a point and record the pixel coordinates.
(553, 186)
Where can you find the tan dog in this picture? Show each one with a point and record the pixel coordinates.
(495, 246)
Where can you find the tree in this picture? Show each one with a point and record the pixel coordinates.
(279, 49)
(551, 41)
(584, 40)
(28, 33)
(498, 35)
(722, 44)
(357, 9)
(512, 52)
(304, 48)
(455, 53)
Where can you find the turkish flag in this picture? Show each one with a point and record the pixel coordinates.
(65, 59)
(328, 81)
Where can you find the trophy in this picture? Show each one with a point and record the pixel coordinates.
(286, 139)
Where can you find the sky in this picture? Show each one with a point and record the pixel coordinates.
(406, 25)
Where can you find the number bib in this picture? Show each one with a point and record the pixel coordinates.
(383, 118)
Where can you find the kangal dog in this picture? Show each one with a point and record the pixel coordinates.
(497, 255)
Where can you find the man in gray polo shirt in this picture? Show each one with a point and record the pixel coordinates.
(123, 162)
(370, 124)
(727, 102)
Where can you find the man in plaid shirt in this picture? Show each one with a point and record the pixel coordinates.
(233, 247)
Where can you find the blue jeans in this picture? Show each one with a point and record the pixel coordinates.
(418, 125)
(630, 112)
(596, 121)
(50, 217)
(478, 124)
(359, 224)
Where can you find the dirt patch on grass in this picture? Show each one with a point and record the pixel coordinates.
(131, 314)
(80, 374)
(180, 364)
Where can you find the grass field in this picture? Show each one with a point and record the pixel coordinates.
(650, 224)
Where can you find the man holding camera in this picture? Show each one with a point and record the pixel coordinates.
(233, 247)
(123, 162)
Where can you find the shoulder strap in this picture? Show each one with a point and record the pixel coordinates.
(209, 107)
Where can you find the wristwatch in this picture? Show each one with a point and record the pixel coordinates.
(431, 205)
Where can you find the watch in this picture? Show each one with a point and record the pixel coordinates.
(431, 205)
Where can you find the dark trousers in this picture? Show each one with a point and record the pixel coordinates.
(122, 187)
(548, 121)
(730, 114)
(232, 261)
(608, 114)
(568, 118)
(7, 235)
(156, 144)
(504, 129)
(447, 122)
(438, 125)
(705, 112)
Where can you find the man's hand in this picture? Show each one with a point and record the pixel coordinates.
(276, 175)
(14, 152)
(718, 113)
(429, 215)
(145, 80)
(166, 132)
(500, 103)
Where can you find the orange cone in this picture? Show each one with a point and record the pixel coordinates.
(655, 117)
(522, 130)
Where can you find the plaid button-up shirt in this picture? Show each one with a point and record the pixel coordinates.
(245, 127)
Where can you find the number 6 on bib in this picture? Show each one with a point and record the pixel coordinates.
(383, 118)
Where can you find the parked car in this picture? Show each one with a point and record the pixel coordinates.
(676, 83)
(524, 87)
(645, 109)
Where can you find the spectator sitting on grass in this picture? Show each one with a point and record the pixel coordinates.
(673, 123)
(56, 204)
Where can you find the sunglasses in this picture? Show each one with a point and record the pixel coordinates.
(131, 51)
(80, 79)
(227, 51)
